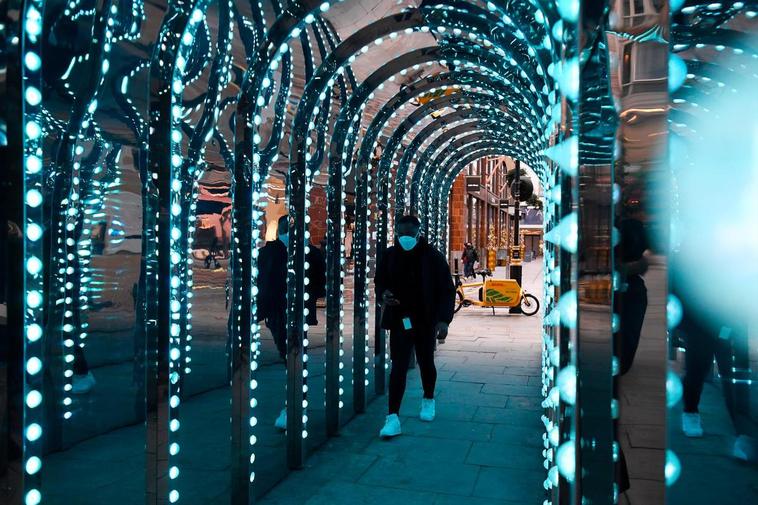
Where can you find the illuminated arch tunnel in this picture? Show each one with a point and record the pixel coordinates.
(149, 148)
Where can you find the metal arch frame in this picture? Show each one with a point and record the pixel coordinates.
(443, 160)
(360, 267)
(435, 149)
(474, 99)
(183, 176)
(411, 152)
(485, 11)
(386, 112)
(374, 81)
(420, 172)
(458, 164)
(334, 61)
(377, 125)
(442, 147)
(251, 168)
(438, 201)
(158, 336)
(336, 171)
(382, 205)
(348, 116)
(244, 217)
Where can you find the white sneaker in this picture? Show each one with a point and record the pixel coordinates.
(427, 410)
(745, 449)
(81, 384)
(391, 427)
(691, 425)
(281, 421)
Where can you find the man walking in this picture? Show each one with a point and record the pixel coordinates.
(417, 295)
(470, 257)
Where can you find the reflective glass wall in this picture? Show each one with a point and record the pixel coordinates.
(197, 194)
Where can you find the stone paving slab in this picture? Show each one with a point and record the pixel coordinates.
(415, 450)
(491, 378)
(433, 476)
(503, 416)
(449, 430)
(512, 455)
(509, 390)
(512, 485)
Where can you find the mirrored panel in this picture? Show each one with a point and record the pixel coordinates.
(315, 318)
(95, 348)
(713, 342)
(638, 74)
(204, 459)
(270, 375)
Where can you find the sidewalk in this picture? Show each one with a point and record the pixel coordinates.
(484, 446)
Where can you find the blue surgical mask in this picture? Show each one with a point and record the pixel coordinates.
(407, 243)
(285, 238)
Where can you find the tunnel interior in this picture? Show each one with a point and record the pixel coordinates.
(151, 148)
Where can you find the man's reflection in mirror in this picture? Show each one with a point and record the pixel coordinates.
(629, 301)
(705, 338)
(272, 295)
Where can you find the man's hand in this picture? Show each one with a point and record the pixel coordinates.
(638, 267)
(441, 332)
(389, 299)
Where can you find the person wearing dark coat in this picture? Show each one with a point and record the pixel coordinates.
(272, 291)
(272, 286)
(417, 294)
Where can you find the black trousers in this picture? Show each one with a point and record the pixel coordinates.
(631, 306)
(703, 344)
(277, 323)
(401, 344)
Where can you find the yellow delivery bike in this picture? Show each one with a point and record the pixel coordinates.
(494, 293)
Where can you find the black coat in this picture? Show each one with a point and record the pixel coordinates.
(272, 279)
(436, 285)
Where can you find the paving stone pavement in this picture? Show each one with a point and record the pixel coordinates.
(484, 447)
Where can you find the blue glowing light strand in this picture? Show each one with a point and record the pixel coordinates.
(421, 172)
(74, 247)
(333, 383)
(33, 249)
(183, 174)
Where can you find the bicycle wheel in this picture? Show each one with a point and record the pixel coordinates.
(529, 304)
(459, 304)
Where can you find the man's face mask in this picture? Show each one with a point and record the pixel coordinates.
(285, 238)
(407, 242)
